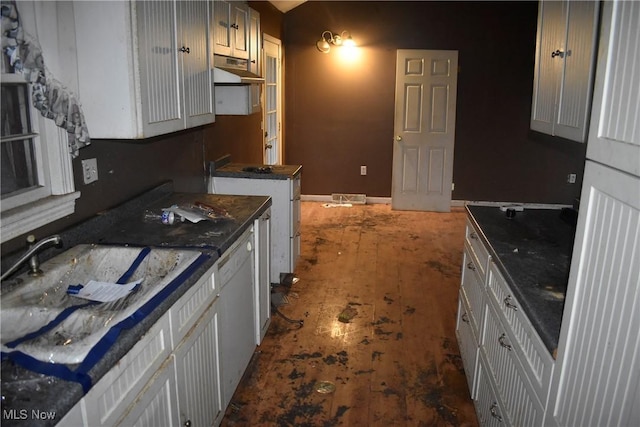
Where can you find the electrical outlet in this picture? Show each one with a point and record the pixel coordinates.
(90, 170)
(363, 170)
(571, 178)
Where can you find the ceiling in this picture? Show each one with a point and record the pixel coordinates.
(286, 5)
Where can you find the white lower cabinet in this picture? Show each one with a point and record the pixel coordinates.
(507, 366)
(198, 373)
(185, 369)
(156, 405)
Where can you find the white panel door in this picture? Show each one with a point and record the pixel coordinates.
(272, 112)
(424, 128)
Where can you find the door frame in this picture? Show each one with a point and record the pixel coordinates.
(266, 38)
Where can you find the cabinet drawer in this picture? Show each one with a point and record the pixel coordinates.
(534, 355)
(186, 311)
(472, 287)
(107, 400)
(468, 343)
(478, 249)
(520, 400)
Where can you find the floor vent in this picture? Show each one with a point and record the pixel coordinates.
(354, 199)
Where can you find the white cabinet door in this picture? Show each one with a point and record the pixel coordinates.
(222, 27)
(614, 138)
(255, 43)
(198, 372)
(563, 76)
(196, 67)
(160, 62)
(262, 270)
(156, 405)
(240, 29)
(231, 28)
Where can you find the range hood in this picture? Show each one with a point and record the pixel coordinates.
(233, 71)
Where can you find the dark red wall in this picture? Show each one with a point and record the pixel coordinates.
(340, 115)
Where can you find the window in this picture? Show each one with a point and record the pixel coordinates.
(23, 178)
(36, 178)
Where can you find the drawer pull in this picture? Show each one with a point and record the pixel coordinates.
(502, 340)
(473, 235)
(509, 304)
(494, 411)
(471, 267)
(465, 317)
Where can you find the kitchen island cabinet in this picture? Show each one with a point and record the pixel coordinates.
(282, 183)
(173, 354)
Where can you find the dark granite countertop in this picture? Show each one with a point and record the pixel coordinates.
(23, 390)
(533, 252)
(244, 170)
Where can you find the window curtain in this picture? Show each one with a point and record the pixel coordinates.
(49, 96)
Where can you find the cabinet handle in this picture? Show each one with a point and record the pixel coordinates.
(557, 52)
(465, 318)
(471, 267)
(494, 411)
(509, 304)
(502, 340)
(184, 49)
(473, 235)
(253, 61)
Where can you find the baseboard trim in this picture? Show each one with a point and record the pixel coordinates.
(454, 203)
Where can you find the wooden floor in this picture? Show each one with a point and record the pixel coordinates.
(378, 293)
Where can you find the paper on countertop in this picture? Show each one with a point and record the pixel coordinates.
(103, 291)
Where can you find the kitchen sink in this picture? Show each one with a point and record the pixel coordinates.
(40, 319)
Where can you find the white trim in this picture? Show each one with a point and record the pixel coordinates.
(29, 217)
(454, 203)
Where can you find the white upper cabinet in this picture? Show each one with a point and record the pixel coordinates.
(614, 137)
(144, 67)
(231, 28)
(563, 76)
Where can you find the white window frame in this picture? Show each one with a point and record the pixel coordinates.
(55, 197)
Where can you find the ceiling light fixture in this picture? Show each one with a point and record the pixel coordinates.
(328, 38)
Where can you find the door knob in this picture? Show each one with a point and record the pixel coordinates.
(268, 146)
(398, 138)
(557, 53)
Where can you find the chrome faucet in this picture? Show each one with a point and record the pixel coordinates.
(32, 255)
